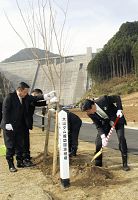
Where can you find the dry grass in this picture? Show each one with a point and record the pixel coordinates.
(119, 86)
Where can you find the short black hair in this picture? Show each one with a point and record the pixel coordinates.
(23, 85)
(37, 90)
(87, 104)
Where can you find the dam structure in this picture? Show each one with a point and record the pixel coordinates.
(69, 75)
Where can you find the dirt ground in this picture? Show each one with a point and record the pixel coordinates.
(87, 181)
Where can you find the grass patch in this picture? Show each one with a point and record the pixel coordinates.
(2, 150)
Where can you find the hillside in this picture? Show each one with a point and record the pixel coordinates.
(130, 106)
(119, 86)
(119, 56)
(28, 54)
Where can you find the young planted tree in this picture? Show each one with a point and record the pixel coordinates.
(44, 22)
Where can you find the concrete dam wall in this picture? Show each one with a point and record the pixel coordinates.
(36, 73)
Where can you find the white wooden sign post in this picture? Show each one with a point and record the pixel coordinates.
(63, 148)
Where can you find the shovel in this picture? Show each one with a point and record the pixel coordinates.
(108, 136)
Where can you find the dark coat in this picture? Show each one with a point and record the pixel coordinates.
(12, 109)
(110, 105)
(32, 109)
(74, 122)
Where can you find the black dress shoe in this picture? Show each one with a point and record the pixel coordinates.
(28, 163)
(11, 165)
(13, 169)
(126, 168)
(20, 164)
(73, 152)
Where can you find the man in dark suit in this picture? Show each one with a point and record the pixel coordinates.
(74, 124)
(15, 122)
(103, 112)
(26, 151)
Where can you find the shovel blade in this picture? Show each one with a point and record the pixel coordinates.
(97, 154)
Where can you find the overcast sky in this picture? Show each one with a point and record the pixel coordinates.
(89, 23)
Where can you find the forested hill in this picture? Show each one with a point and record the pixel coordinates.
(29, 54)
(119, 56)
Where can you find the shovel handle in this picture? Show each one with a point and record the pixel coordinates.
(109, 134)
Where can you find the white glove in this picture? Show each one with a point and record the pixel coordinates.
(54, 100)
(52, 93)
(9, 127)
(46, 96)
(104, 140)
(119, 113)
(49, 95)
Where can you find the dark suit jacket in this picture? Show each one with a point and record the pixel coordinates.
(12, 109)
(110, 105)
(32, 109)
(74, 122)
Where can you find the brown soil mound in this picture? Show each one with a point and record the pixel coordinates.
(82, 173)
